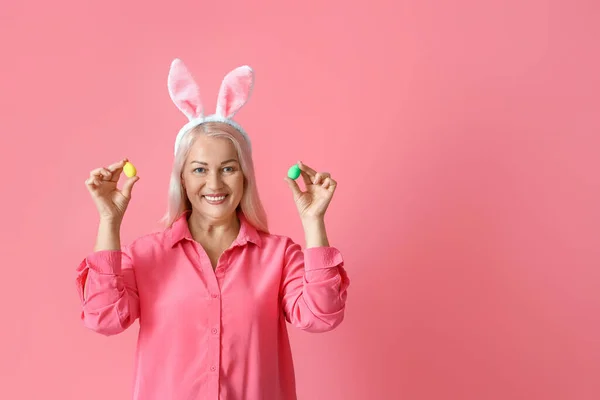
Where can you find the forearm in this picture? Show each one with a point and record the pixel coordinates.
(315, 233)
(109, 236)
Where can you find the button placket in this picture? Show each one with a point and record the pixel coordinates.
(214, 314)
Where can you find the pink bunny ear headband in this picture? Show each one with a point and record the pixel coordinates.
(234, 93)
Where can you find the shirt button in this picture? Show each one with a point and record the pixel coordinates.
(213, 368)
(214, 331)
(214, 296)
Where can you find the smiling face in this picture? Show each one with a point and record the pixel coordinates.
(212, 177)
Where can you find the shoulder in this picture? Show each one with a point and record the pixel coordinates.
(274, 238)
(277, 242)
(150, 242)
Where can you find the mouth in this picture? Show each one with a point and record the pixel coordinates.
(215, 199)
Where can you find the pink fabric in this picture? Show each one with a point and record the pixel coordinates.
(184, 91)
(208, 334)
(235, 91)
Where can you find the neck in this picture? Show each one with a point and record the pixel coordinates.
(205, 228)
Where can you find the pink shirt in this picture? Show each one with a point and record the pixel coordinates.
(208, 334)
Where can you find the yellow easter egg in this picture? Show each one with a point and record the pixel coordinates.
(129, 169)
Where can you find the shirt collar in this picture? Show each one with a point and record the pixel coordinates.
(180, 230)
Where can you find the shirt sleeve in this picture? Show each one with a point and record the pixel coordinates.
(108, 291)
(314, 287)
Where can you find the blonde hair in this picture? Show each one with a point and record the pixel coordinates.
(250, 204)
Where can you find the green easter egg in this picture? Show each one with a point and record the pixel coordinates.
(294, 171)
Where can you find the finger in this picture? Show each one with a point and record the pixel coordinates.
(294, 186)
(303, 167)
(94, 180)
(332, 185)
(306, 178)
(320, 177)
(118, 165)
(92, 184)
(116, 169)
(128, 186)
(326, 183)
(100, 173)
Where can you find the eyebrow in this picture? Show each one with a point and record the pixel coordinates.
(223, 163)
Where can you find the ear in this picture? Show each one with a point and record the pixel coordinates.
(184, 91)
(235, 91)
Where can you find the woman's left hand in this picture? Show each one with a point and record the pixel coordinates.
(320, 187)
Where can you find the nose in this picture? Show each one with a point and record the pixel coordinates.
(214, 181)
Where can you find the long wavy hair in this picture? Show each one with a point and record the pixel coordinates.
(250, 204)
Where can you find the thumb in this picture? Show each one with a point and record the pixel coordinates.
(294, 186)
(128, 186)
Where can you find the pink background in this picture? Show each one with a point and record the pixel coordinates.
(464, 136)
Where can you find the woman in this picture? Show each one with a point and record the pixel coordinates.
(214, 290)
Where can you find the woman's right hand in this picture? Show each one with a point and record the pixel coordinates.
(110, 201)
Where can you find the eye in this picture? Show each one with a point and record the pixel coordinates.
(228, 169)
(199, 170)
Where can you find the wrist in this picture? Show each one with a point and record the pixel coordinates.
(109, 228)
(315, 232)
(109, 235)
(313, 221)
(110, 222)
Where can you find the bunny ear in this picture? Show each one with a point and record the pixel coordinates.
(235, 91)
(184, 91)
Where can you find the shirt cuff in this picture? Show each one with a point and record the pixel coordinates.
(322, 258)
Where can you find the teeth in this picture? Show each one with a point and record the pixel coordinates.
(215, 198)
